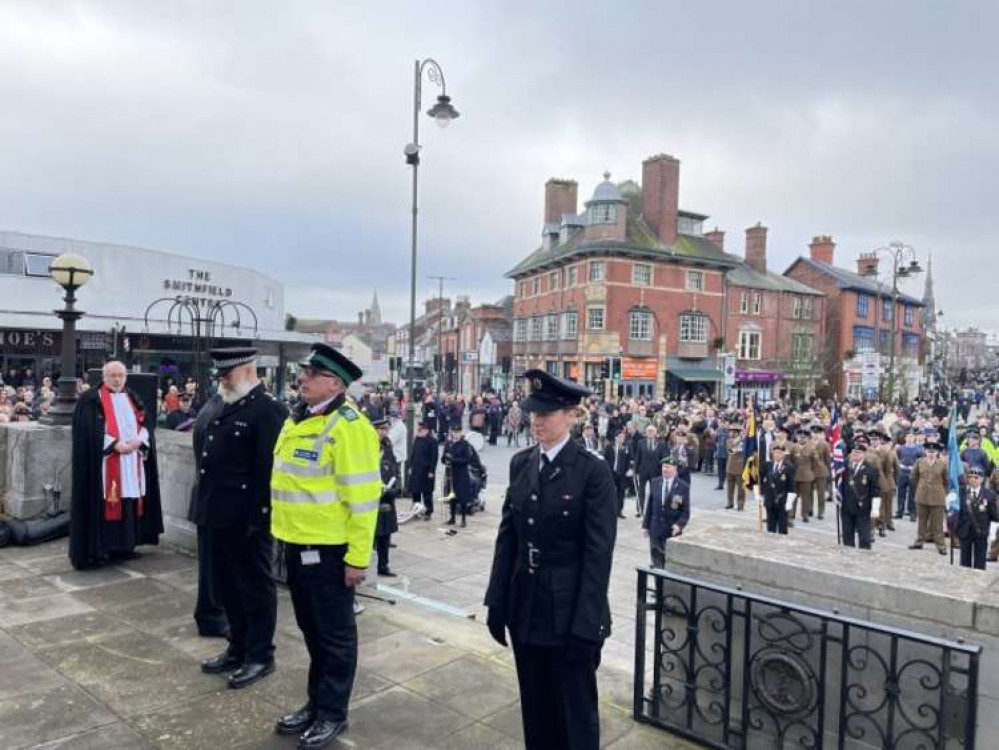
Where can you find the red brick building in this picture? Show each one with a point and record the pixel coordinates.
(633, 292)
(861, 321)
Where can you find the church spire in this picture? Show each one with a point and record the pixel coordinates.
(375, 310)
(929, 303)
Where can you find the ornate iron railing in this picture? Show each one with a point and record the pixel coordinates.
(731, 669)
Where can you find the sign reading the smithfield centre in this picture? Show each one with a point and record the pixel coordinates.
(197, 285)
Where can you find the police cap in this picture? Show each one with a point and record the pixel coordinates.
(549, 393)
(229, 358)
(669, 461)
(378, 423)
(860, 443)
(324, 357)
(976, 471)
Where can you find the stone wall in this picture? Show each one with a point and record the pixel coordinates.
(896, 588)
(34, 455)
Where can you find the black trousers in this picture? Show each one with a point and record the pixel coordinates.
(858, 524)
(973, 551)
(621, 485)
(643, 483)
(776, 518)
(721, 472)
(425, 496)
(324, 610)
(558, 698)
(208, 612)
(382, 548)
(241, 567)
(658, 549)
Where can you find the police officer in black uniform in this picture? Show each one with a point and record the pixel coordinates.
(551, 570)
(778, 482)
(423, 469)
(388, 521)
(234, 450)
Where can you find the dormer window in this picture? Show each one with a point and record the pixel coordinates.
(603, 213)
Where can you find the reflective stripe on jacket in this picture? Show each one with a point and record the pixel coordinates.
(326, 483)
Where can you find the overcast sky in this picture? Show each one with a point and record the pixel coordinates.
(270, 134)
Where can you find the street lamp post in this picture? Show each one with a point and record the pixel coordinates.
(69, 271)
(443, 113)
(898, 252)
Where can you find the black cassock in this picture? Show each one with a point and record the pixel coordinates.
(92, 539)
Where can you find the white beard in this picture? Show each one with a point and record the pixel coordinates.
(234, 394)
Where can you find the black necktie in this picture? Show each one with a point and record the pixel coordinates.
(545, 463)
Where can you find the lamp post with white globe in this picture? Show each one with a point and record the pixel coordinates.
(70, 271)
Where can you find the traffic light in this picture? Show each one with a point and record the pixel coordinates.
(605, 369)
(616, 368)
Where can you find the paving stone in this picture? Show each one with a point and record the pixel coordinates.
(123, 594)
(77, 580)
(184, 580)
(48, 564)
(112, 737)
(23, 672)
(26, 588)
(471, 685)
(221, 720)
(160, 561)
(82, 627)
(371, 627)
(508, 722)
(132, 673)
(67, 710)
(403, 655)
(157, 613)
(398, 718)
(40, 608)
(59, 547)
(477, 737)
(183, 636)
(286, 689)
(640, 737)
(9, 571)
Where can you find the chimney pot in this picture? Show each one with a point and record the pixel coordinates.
(716, 237)
(756, 248)
(867, 264)
(661, 195)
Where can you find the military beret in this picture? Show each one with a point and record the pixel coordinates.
(976, 471)
(860, 443)
(549, 393)
(931, 445)
(817, 428)
(324, 357)
(778, 447)
(669, 461)
(229, 358)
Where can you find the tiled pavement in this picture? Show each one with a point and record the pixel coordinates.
(108, 659)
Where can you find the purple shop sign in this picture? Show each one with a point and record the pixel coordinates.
(757, 376)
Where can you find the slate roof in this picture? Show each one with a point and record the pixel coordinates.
(849, 280)
(745, 275)
(640, 242)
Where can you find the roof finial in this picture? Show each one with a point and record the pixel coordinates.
(607, 175)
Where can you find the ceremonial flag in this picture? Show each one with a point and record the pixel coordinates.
(750, 450)
(955, 469)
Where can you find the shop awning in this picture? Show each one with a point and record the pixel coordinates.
(697, 374)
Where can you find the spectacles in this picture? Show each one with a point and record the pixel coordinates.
(312, 372)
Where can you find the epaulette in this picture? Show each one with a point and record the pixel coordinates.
(347, 413)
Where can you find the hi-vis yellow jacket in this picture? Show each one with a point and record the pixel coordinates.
(326, 485)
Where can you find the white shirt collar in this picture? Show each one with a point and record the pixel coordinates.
(321, 406)
(555, 449)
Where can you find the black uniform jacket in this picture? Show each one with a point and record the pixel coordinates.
(777, 483)
(388, 522)
(623, 458)
(660, 515)
(858, 488)
(554, 548)
(648, 461)
(423, 464)
(973, 518)
(234, 455)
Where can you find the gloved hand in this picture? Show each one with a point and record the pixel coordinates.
(497, 628)
(580, 649)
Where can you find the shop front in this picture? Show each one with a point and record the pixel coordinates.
(689, 379)
(761, 385)
(638, 377)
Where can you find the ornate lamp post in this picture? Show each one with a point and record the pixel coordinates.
(70, 272)
(443, 113)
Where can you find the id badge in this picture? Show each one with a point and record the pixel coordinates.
(310, 557)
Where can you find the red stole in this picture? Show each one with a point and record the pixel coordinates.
(112, 465)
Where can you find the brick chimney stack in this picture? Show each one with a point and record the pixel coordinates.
(821, 249)
(716, 237)
(560, 198)
(661, 195)
(867, 264)
(756, 248)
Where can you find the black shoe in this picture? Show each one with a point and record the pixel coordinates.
(881, 532)
(941, 550)
(912, 518)
(249, 673)
(464, 523)
(385, 572)
(297, 722)
(224, 662)
(915, 546)
(805, 519)
(719, 488)
(729, 506)
(392, 545)
(321, 734)
(620, 515)
(898, 516)
(450, 522)
(891, 527)
(820, 516)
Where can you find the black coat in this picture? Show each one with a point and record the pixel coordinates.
(857, 490)
(88, 482)
(777, 484)
(388, 521)
(648, 461)
(973, 520)
(233, 456)
(660, 516)
(570, 520)
(423, 464)
(623, 461)
(459, 457)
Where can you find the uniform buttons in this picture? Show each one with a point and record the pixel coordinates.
(530, 521)
(202, 471)
(217, 422)
(565, 512)
(531, 571)
(242, 486)
(211, 437)
(534, 497)
(236, 433)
